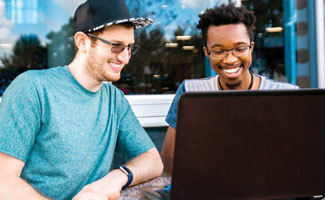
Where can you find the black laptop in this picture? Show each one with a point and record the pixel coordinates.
(250, 145)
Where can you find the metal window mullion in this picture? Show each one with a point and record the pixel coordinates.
(290, 41)
(312, 43)
(320, 42)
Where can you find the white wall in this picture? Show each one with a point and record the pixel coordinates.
(151, 110)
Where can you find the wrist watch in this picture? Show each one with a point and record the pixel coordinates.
(128, 173)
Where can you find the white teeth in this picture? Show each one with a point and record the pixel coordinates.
(232, 70)
(115, 65)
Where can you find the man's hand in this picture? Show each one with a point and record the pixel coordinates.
(144, 167)
(86, 194)
(107, 188)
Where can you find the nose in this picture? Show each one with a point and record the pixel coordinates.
(124, 56)
(230, 58)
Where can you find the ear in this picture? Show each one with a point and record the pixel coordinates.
(82, 41)
(252, 45)
(206, 52)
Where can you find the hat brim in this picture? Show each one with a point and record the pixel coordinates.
(137, 22)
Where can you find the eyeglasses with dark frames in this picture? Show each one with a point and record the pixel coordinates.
(220, 54)
(116, 47)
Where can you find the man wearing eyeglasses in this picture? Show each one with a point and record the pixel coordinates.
(60, 127)
(227, 33)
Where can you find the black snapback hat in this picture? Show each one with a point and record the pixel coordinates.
(97, 14)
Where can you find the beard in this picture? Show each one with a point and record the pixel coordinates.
(97, 70)
(233, 86)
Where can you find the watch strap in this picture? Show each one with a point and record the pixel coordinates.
(128, 173)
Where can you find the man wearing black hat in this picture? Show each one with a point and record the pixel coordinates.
(60, 127)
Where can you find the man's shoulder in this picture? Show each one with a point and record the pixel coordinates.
(202, 84)
(28, 75)
(270, 84)
(25, 79)
(41, 74)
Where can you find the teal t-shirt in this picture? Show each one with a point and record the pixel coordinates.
(65, 134)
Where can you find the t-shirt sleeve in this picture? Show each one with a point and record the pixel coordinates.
(132, 140)
(171, 117)
(19, 118)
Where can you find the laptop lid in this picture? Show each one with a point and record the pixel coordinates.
(250, 145)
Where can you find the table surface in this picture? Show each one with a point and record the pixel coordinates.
(134, 191)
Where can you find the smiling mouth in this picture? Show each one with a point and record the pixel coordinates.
(116, 67)
(232, 70)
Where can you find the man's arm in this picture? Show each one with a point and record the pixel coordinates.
(144, 167)
(167, 151)
(12, 186)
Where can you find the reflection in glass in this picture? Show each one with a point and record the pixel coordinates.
(37, 34)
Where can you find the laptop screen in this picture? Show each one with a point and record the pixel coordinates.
(250, 145)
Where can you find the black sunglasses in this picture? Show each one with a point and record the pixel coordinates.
(118, 48)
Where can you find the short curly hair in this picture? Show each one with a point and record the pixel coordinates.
(226, 14)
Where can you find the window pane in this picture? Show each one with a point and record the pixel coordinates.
(38, 34)
(283, 38)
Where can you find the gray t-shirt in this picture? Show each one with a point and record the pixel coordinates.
(210, 85)
(65, 134)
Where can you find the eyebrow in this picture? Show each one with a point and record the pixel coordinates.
(120, 42)
(219, 45)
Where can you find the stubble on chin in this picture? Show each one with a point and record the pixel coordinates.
(234, 86)
(100, 71)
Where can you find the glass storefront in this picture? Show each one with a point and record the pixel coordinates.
(37, 34)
